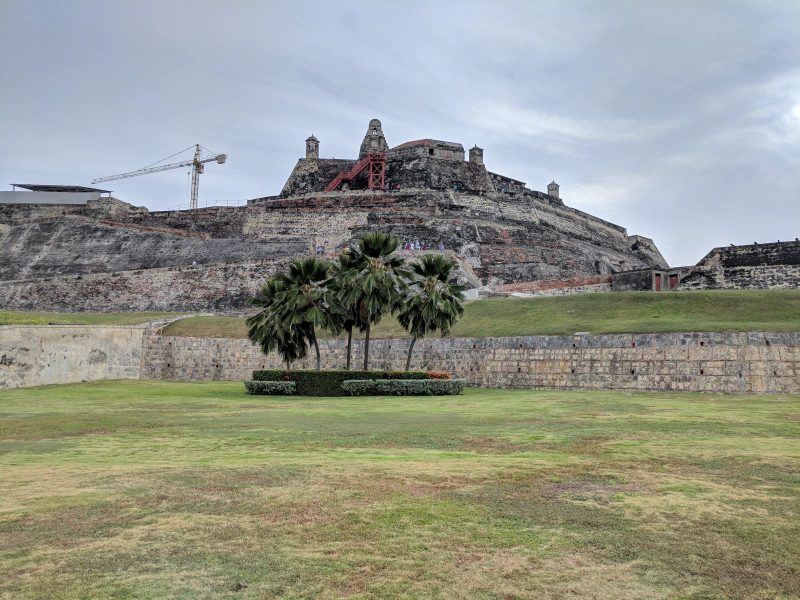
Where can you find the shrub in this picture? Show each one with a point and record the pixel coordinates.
(329, 383)
(405, 375)
(404, 387)
(271, 388)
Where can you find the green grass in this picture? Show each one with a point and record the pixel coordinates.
(628, 312)
(43, 318)
(141, 490)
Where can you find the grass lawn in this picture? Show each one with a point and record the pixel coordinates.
(43, 318)
(624, 312)
(133, 489)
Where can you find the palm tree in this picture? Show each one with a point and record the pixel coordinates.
(293, 304)
(304, 305)
(267, 330)
(376, 282)
(344, 316)
(433, 305)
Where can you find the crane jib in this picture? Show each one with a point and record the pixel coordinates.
(196, 164)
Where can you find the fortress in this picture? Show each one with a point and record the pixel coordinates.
(100, 254)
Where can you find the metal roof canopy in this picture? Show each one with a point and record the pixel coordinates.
(57, 188)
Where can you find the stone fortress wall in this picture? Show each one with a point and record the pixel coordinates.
(108, 255)
(757, 266)
(212, 287)
(734, 363)
(51, 354)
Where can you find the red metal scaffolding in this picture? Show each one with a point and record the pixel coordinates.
(376, 162)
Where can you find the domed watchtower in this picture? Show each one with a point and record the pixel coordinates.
(552, 188)
(312, 147)
(374, 140)
(476, 155)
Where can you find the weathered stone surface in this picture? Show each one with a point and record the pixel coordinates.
(760, 266)
(699, 362)
(215, 287)
(45, 354)
(729, 362)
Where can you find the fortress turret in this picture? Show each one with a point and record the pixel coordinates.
(476, 155)
(374, 140)
(312, 147)
(552, 188)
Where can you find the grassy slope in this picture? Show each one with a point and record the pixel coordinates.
(179, 490)
(43, 318)
(771, 310)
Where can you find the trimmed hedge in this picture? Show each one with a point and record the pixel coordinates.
(404, 387)
(271, 388)
(329, 383)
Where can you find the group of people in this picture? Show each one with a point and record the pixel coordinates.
(417, 246)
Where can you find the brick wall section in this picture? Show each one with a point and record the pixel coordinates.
(734, 363)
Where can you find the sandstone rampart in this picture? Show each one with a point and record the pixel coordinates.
(751, 362)
(733, 363)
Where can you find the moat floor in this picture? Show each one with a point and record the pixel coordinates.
(133, 489)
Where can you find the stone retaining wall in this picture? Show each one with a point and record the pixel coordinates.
(44, 354)
(735, 363)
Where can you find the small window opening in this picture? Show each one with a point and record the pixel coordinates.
(430, 151)
(702, 343)
(573, 370)
(520, 345)
(633, 345)
(767, 342)
(701, 371)
(169, 365)
(573, 345)
(775, 373)
(633, 371)
(473, 345)
(740, 374)
(519, 369)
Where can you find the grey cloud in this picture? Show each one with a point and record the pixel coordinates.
(678, 120)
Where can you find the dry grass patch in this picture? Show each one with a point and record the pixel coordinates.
(169, 490)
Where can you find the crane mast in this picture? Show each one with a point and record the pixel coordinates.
(198, 167)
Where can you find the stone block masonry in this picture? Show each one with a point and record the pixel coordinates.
(730, 362)
(752, 362)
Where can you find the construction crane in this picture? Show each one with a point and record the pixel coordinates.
(198, 166)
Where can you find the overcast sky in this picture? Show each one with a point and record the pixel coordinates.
(677, 120)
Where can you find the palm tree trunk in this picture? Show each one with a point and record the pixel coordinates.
(410, 349)
(349, 345)
(366, 348)
(316, 347)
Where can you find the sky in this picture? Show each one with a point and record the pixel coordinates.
(679, 120)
